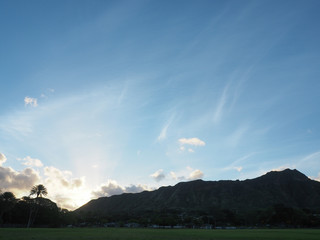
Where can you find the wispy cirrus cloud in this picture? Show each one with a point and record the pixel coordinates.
(313, 157)
(235, 137)
(237, 168)
(163, 134)
(308, 161)
(239, 163)
(220, 105)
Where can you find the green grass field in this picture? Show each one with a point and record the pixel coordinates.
(157, 234)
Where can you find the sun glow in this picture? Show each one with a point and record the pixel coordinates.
(77, 199)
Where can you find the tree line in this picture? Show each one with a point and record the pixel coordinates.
(35, 210)
(31, 210)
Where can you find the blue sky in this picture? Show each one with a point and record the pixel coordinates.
(104, 97)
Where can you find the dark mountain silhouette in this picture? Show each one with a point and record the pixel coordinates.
(289, 188)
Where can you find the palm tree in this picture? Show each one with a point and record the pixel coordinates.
(40, 191)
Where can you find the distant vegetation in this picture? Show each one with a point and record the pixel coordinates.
(28, 211)
(286, 199)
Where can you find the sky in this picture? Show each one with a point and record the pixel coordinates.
(104, 97)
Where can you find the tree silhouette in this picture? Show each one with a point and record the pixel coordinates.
(7, 201)
(40, 191)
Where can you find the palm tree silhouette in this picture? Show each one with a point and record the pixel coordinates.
(40, 191)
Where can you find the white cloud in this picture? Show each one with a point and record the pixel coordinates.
(28, 161)
(2, 159)
(31, 101)
(137, 188)
(158, 175)
(19, 182)
(187, 174)
(111, 187)
(66, 201)
(62, 179)
(173, 175)
(67, 191)
(196, 174)
(176, 176)
(192, 141)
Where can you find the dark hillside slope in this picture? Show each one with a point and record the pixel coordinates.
(289, 188)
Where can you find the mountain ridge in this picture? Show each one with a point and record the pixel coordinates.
(288, 187)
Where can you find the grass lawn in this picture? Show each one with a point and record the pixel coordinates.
(157, 234)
